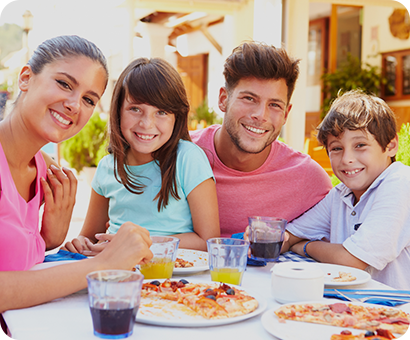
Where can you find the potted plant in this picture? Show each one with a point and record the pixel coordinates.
(204, 115)
(85, 150)
(352, 74)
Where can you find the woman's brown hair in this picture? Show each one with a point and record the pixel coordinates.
(153, 82)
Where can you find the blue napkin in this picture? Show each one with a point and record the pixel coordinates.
(251, 262)
(64, 255)
(331, 293)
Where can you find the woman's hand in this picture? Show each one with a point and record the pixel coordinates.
(127, 248)
(60, 190)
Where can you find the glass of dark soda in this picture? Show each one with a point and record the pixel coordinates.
(266, 235)
(114, 298)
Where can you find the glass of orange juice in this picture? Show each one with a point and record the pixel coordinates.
(227, 259)
(162, 264)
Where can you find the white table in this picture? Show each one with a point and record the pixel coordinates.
(69, 318)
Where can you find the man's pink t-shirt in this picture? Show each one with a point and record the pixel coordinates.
(285, 186)
(21, 245)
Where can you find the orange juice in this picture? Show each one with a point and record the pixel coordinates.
(158, 268)
(227, 275)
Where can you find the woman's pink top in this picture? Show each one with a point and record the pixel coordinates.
(21, 245)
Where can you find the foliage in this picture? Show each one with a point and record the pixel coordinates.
(403, 154)
(351, 75)
(87, 147)
(335, 181)
(10, 39)
(204, 112)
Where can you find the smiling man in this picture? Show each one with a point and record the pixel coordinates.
(256, 174)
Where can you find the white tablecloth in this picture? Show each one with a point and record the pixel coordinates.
(69, 318)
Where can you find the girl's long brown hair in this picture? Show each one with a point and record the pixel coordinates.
(153, 82)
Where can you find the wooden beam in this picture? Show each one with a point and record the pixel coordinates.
(333, 40)
(382, 3)
(211, 39)
(222, 7)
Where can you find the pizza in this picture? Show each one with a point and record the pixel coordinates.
(181, 263)
(347, 315)
(209, 300)
(380, 334)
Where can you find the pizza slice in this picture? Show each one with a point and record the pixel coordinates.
(380, 334)
(347, 315)
(211, 301)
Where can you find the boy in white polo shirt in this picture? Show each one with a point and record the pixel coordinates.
(363, 222)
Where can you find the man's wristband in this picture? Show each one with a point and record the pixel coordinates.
(304, 247)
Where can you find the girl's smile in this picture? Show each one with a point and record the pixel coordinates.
(146, 129)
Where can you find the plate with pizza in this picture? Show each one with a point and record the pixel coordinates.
(329, 317)
(190, 261)
(336, 275)
(183, 303)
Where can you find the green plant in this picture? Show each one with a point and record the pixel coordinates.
(204, 112)
(335, 181)
(352, 74)
(87, 147)
(403, 154)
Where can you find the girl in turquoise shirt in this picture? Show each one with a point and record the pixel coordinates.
(154, 175)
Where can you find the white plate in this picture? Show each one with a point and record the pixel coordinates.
(170, 313)
(297, 330)
(332, 270)
(197, 257)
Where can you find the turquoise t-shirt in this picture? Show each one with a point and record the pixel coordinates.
(192, 169)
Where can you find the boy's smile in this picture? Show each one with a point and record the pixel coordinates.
(357, 159)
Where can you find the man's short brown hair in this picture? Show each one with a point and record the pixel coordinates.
(262, 61)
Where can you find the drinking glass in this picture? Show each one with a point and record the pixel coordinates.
(266, 235)
(227, 259)
(114, 298)
(161, 266)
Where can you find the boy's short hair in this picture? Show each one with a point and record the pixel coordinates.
(356, 110)
(262, 61)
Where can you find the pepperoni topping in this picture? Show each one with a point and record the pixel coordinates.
(340, 308)
(394, 320)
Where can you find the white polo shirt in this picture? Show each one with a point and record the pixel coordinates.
(376, 230)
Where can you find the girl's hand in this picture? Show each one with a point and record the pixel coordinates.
(96, 248)
(77, 245)
(59, 198)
